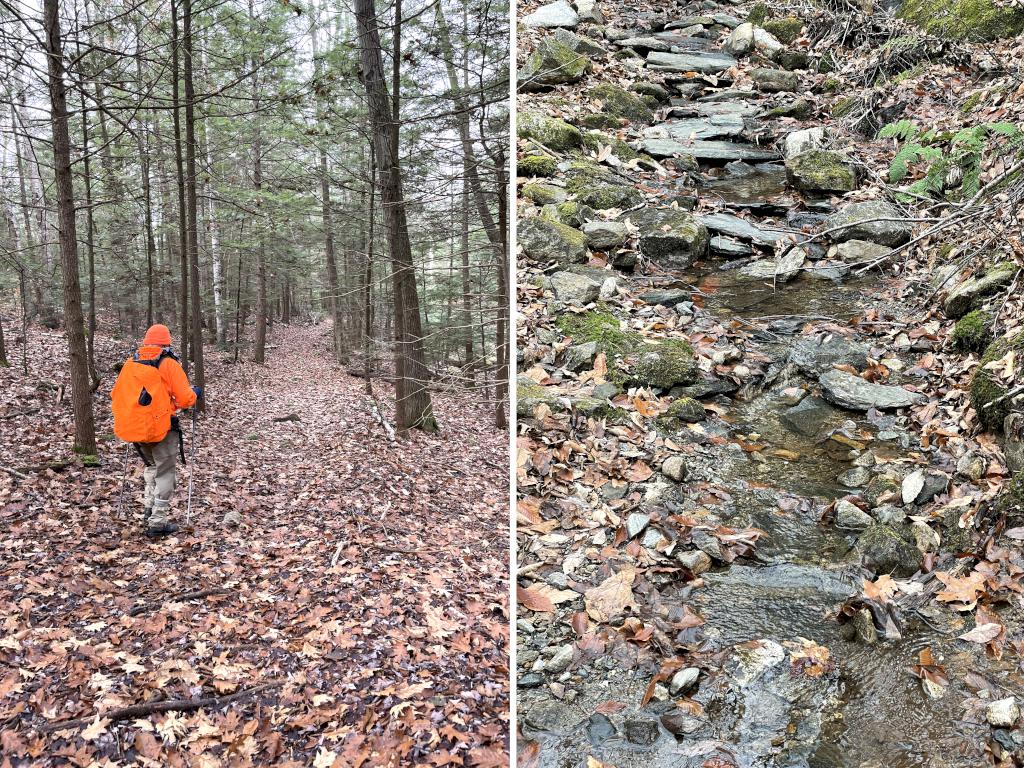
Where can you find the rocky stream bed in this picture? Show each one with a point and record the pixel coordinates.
(730, 521)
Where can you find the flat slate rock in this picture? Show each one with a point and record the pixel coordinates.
(557, 14)
(701, 149)
(706, 63)
(724, 246)
(734, 226)
(699, 128)
(730, 94)
(856, 394)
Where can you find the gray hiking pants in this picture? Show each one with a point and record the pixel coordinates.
(160, 476)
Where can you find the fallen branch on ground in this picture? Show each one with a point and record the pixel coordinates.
(168, 705)
(15, 472)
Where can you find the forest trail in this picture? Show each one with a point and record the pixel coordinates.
(360, 584)
(759, 524)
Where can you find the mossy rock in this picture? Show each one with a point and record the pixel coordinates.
(801, 109)
(530, 395)
(536, 165)
(666, 364)
(986, 388)
(785, 30)
(543, 194)
(846, 106)
(971, 102)
(600, 120)
(759, 14)
(621, 103)
(594, 140)
(553, 63)
(572, 214)
(600, 189)
(90, 460)
(972, 332)
(883, 549)
(975, 20)
(831, 85)
(653, 90)
(545, 240)
(822, 170)
(682, 410)
(550, 131)
(972, 293)
(877, 487)
(601, 327)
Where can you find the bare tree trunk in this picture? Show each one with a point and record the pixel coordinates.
(259, 353)
(414, 408)
(502, 348)
(192, 209)
(143, 147)
(368, 279)
(81, 392)
(90, 250)
(180, 177)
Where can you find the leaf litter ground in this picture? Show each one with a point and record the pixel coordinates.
(366, 587)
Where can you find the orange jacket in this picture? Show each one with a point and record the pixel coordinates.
(173, 376)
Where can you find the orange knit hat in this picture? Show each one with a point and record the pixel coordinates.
(158, 335)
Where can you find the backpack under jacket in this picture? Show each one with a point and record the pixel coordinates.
(142, 405)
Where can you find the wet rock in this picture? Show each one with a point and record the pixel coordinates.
(706, 388)
(530, 680)
(548, 715)
(863, 624)
(696, 561)
(822, 170)
(801, 109)
(707, 150)
(668, 297)
(881, 489)
(643, 733)
(579, 357)
(775, 80)
(636, 523)
(557, 14)
(857, 251)
(850, 516)
(734, 226)
(684, 680)
(706, 543)
(550, 131)
(807, 139)
(605, 235)
(600, 729)
(970, 293)
(741, 40)
(883, 549)
(815, 355)
(561, 660)
(1003, 713)
(854, 393)
(670, 237)
(681, 723)
(859, 221)
(706, 63)
(547, 241)
(808, 416)
(674, 468)
(781, 270)
(553, 63)
(856, 477)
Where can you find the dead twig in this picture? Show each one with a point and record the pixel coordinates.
(169, 705)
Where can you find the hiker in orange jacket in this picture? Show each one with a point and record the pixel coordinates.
(150, 389)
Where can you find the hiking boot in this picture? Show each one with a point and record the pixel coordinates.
(145, 514)
(161, 529)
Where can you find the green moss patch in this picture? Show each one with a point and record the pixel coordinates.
(972, 332)
(621, 103)
(550, 131)
(986, 388)
(963, 19)
(536, 165)
(785, 30)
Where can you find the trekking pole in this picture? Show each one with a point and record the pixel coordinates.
(191, 463)
(124, 481)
